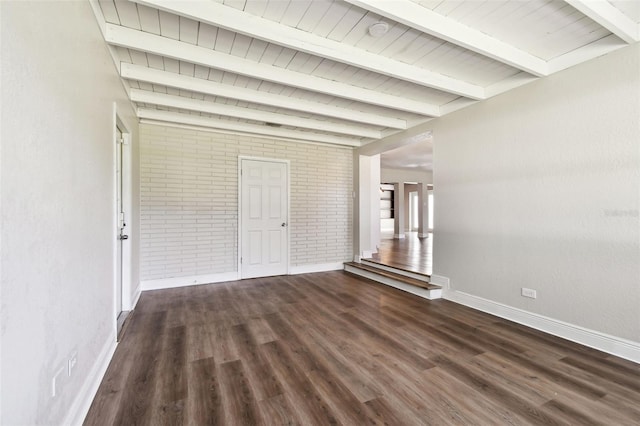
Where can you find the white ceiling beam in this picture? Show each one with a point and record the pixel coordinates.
(193, 84)
(416, 134)
(195, 120)
(430, 22)
(163, 46)
(586, 53)
(232, 19)
(610, 17)
(181, 102)
(229, 132)
(505, 85)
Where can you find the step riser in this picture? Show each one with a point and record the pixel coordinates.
(395, 270)
(424, 293)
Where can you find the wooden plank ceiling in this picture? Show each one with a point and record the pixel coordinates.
(309, 70)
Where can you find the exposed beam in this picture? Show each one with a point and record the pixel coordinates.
(419, 133)
(232, 19)
(163, 46)
(453, 106)
(610, 17)
(193, 84)
(195, 120)
(586, 53)
(181, 102)
(430, 22)
(228, 132)
(507, 84)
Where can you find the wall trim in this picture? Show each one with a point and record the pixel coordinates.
(617, 346)
(320, 267)
(83, 400)
(136, 296)
(187, 281)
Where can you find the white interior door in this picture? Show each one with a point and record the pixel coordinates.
(264, 210)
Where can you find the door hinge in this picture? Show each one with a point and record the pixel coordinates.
(240, 260)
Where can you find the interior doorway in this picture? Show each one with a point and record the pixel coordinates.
(121, 225)
(123, 203)
(264, 215)
(407, 239)
(413, 211)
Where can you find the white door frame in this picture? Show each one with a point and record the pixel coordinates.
(287, 164)
(127, 204)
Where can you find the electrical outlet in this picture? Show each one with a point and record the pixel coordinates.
(73, 360)
(528, 292)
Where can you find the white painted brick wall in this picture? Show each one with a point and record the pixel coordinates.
(189, 200)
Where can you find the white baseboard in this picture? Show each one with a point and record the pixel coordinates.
(321, 267)
(187, 281)
(82, 402)
(617, 346)
(136, 297)
(227, 276)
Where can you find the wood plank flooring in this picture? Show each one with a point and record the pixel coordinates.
(410, 253)
(332, 348)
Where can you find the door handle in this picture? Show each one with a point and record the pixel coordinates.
(124, 237)
(283, 224)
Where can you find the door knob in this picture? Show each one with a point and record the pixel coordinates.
(124, 237)
(283, 224)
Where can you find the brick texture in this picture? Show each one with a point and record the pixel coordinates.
(189, 200)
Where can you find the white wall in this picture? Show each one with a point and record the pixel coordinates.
(57, 194)
(189, 204)
(368, 206)
(540, 188)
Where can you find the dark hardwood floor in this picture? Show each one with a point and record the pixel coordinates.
(332, 348)
(410, 253)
